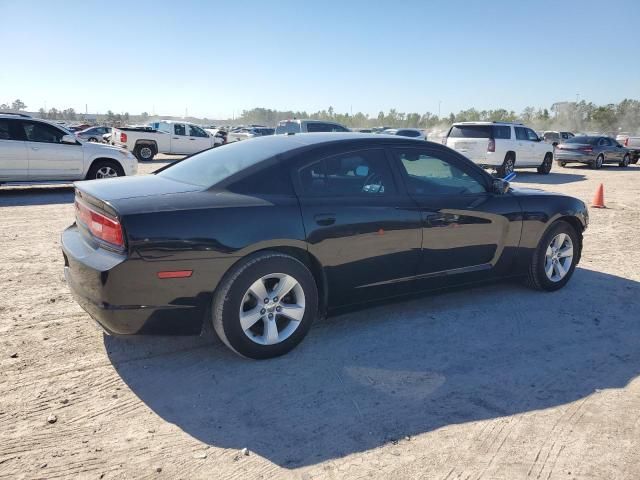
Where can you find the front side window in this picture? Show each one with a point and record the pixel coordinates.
(196, 131)
(531, 135)
(42, 132)
(365, 172)
(179, 129)
(428, 173)
(408, 133)
(521, 133)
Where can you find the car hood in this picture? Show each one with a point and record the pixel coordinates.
(97, 148)
(526, 192)
(122, 188)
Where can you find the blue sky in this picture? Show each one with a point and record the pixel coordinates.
(217, 58)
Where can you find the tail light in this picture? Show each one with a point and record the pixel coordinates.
(491, 147)
(586, 149)
(626, 142)
(123, 137)
(105, 228)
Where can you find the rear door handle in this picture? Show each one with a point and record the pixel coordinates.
(176, 138)
(35, 148)
(325, 219)
(192, 139)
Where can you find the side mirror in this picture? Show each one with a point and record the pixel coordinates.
(69, 139)
(500, 186)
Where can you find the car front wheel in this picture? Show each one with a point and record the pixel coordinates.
(507, 166)
(104, 169)
(555, 259)
(265, 305)
(597, 164)
(625, 161)
(546, 165)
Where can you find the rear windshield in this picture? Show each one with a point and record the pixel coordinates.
(211, 167)
(470, 131)
(583, 140)
(287, 127)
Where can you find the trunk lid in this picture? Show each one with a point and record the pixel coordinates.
(113, 189)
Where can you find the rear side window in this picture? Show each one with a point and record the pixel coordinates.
(521, 133)
(268, 181)
(4, 130)
(470, 131)
(502, 132)
(365, 172)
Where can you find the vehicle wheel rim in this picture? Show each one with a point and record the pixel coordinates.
(599, 161)
(508, 167)
(558, 257)
(272, 309)
(145, 152)
(93, 140)
(106, 172)
(547, 164)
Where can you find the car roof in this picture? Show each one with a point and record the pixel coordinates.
(488, 123)
(307, 120)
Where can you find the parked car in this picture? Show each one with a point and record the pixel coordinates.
(93, 134)
(555, 138)
(262, 237)
(594, 151)
(406, 132)
(632, 143)
(33, 150)
(500, 145)
(219, 135)
(181, 138)
(248, 132)
(308, 126)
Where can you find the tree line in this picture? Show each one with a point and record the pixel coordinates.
(573, 116)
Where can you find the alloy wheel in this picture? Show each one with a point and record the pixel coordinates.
(558, 257)
(272, 309)
(145, 152)
(106, 172)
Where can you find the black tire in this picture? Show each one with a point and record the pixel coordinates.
(625, 161)
(229, 296)
(93, 139)
(598, 162)
(536, 276)
(507, 165)
(144, 153)
(635, 160)
(99, 166)
(546, 165)
(562, 164)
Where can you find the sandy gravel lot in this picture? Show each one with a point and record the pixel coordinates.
(497, 382)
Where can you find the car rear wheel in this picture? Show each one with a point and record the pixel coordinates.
(546, 165)
(507, 166)
(104, 169)
(265, 305)
(597, 164)
(144, 153)
(555, 259)
(625, 161)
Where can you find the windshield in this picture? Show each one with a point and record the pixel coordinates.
(287, 127)
(211, 167)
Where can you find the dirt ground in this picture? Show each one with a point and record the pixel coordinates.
(496, 382)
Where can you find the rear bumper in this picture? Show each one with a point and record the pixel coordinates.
(125, 297)
(573, 158)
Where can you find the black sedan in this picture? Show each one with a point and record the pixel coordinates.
(593, 151)
(261, 237)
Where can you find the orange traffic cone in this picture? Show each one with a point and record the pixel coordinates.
(598, 200)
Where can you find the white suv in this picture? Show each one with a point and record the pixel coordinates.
(33, 150)
(500, 145)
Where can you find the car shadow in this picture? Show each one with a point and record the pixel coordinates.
(553, 178)
(24, 196)
(371, 377)
(608, 167)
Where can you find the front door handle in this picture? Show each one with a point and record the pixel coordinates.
(35, 148)
(437, 221)
(176, 138)
(325, 219)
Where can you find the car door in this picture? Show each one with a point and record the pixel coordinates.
(14, 162)
(538, 148)
(49, 158)
(523, 150)
(199, 140)
(468, 230)
(179, 139)
(618, 149)
(364, 230)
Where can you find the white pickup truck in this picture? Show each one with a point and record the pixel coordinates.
(180, 138)
(632, 143)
